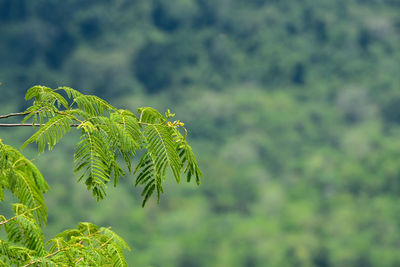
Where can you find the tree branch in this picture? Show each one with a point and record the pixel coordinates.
(14, 114)
(27, 124)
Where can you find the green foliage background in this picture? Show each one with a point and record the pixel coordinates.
(294, 112)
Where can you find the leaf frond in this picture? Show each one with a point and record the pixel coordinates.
(23, 179)
(150, 115)
(117, 256)
(148, 176)
(11, 254)
(93, 156)
(161, 145)
(46, 95)
(190, 166)
(23, 229)
(50, 133)
(93, 105)
(114, 237)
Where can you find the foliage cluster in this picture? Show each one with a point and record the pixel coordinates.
(106, 133)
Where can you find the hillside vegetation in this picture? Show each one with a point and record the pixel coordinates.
(294, 112)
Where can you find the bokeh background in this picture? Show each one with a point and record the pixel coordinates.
(293, 109)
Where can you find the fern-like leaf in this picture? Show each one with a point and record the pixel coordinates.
(148, 176)
(12, 255)
(71, 93)
(117, 256)
(40, 112)
(46, 95)
(24, 229)
(161, 153)
(23, 179)
(150, 115)
(93, 105)
(88, 245)
(111, 235)
(124, 134)
(191, 168)
(161, 145)
(93, 156)
(44, 261)
(88, 228)
(56, 243)
(50, 133)
(69, 234)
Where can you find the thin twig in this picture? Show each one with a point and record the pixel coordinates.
(38, 124)
(28, 124)
(16, 216)
(79, 260)
(47, 256)
(14, 114)
(105, 243)
(61, 113)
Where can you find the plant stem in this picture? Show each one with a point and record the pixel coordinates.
(47, 256)
(16, 216)
(13, 114)
(27, 124)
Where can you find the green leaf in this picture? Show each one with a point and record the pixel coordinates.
(190, 166)
(114, 237)
(117, 256)
(161, 145)
(93, 156)
(23, 179)
(148, 176)
(150, 115)
(93, 105)
(50, 133)
(46, 95)
(23, 229)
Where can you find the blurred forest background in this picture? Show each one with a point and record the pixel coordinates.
(293, 109)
